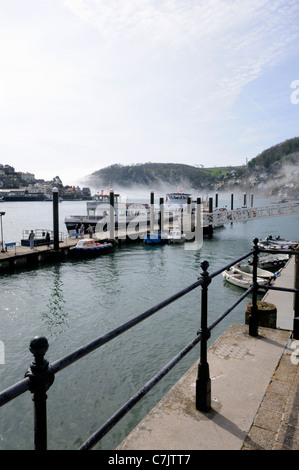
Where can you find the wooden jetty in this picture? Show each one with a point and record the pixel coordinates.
(21, 256)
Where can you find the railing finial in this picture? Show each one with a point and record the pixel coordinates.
(39, 372)
(204, 265)
(39, 346)
(41, 378)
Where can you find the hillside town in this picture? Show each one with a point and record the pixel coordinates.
(24, 186)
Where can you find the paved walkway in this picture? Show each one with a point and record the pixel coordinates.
(276, 425)
(255, 393)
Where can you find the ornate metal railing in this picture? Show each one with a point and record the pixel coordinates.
(40, 375)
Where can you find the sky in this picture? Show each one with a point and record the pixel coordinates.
(85, 84)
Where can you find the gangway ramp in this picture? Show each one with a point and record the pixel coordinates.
(220, 217)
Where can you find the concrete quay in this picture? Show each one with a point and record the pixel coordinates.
(254, 390)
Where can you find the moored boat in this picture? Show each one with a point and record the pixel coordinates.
(241, 279)
(88, 247)
(156, 238)
(248, 269)
(272, 260)
(176, 236)
(277, 243)
(178, 198)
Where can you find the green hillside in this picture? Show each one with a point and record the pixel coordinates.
(148, 174)
(269, 171)
(286, 152)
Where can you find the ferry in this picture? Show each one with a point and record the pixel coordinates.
(179, 198)
(177, 203)
(183, 202)
(98, 214)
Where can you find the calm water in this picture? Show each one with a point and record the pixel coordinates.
(72, 303)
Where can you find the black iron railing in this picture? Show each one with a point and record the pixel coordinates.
(40, 375)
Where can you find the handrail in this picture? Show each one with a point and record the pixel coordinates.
(14, 391)
(84, 350)
(94, 438)
(40, 374)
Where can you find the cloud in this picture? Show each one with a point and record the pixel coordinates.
(230, 42)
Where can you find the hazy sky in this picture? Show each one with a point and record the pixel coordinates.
(88, 83)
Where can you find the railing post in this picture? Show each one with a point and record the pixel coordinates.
(253, 317)
(296, 299)
(41, 378)
(203, 382)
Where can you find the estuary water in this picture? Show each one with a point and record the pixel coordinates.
(74, 302)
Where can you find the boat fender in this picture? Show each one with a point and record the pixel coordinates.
(277, 273)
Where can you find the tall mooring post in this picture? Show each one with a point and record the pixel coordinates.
(152, 212)
(210, 227)
(55, 219)
(1, 214)
(111, 216)
(161, 215)
(231, 204)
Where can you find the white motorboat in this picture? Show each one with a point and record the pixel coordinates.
(176, 236)
(88, 247)
(178, 198)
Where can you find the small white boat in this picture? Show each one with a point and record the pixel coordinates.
(176, 236)
(248, 269)
(242, 279)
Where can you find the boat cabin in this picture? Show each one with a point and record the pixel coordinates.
(87, 243)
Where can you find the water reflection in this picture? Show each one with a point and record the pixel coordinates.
(56, 315)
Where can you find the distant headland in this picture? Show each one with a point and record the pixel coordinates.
(274, 173)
